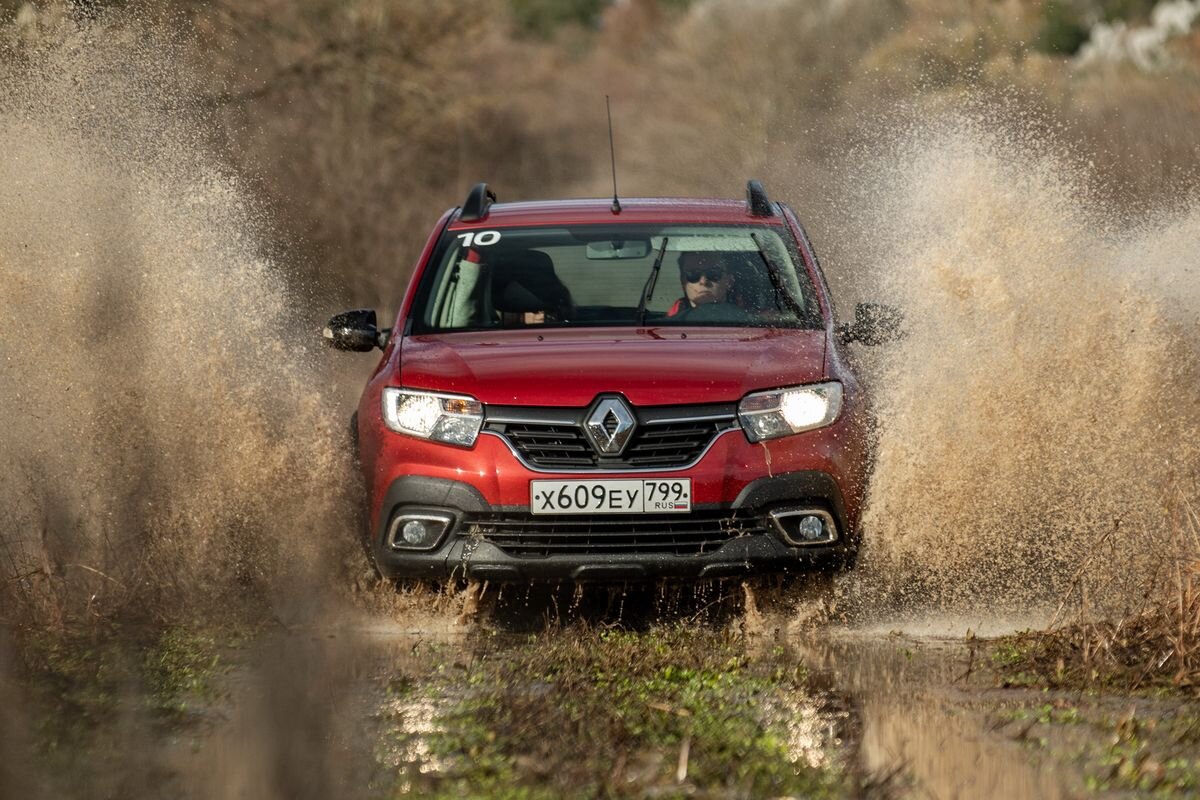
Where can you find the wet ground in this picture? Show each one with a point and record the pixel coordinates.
(536, 700)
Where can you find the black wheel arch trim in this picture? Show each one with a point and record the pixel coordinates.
(792, 487)
(421, 490)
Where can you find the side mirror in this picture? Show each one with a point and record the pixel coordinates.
(874, 323)
(356, 330)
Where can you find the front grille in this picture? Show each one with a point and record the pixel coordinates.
(670, 444)
(548, 445)
(529, 536)
(665, 437)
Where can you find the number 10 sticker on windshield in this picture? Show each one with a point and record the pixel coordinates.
(648, 496)
(479, 238)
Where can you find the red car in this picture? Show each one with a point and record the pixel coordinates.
(604, 390)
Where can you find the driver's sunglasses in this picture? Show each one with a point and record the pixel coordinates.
(714, 274)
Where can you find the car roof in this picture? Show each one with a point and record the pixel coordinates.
(633, 210)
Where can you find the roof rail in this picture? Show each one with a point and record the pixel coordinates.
(479, 200)
(756, 200)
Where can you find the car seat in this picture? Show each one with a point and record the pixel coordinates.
(525, 281)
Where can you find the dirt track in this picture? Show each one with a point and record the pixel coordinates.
(712, 702)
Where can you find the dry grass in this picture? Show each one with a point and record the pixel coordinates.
(1155, 644)
(357, 122)
(169, 449)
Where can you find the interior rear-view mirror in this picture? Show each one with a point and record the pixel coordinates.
(618, 248)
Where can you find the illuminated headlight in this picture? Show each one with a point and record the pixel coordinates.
(449, 418)
(782, 412)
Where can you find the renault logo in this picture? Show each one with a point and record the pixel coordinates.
(610, 425)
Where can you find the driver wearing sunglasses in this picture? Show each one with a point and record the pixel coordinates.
(704, 279)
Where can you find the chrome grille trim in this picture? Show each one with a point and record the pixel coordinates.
(606, 470)
(556, 440)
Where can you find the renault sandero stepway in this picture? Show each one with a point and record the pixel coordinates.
(599, 390)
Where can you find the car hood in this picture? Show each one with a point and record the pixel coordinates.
(654, 366)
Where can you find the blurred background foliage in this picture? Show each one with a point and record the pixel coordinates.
(1067, 24)
(358, 121)
(544, 17)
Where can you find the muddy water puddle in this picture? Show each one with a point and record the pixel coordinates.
(376, 707)
(924, 709)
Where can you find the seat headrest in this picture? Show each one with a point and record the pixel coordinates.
(525, 280)
(521, 265)
(514, 297)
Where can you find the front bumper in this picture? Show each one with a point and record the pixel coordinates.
(470, 550)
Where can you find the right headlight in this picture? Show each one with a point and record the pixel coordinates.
(782, 412)
(450, 418)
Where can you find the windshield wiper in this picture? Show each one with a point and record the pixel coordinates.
(777, 279)
(648, 289)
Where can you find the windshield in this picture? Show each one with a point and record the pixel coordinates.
(607, 276)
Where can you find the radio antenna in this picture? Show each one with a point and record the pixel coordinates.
(612, 151)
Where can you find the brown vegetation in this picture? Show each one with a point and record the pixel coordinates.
(166, 443)
(189, 188)
(1156, 644)
(348, 126)
(361, 121)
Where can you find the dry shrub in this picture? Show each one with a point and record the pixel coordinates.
(1155, 644)
(1143, 130)
(168, 445)
(357, 122)
(1044, 401)
(360, 121)
(364, 120)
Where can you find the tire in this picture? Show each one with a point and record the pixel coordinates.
(363, 521)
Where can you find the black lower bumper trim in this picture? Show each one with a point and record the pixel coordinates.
(610, 572)
(713, 542)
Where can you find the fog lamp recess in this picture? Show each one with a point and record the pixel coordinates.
(418, 531)
(804, 527)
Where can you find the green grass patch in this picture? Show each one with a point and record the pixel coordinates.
(180, 669)
(1134, 656)
(669, 713)
(76, 682)
(1148, 749)
(80, 680)
(1146, 755)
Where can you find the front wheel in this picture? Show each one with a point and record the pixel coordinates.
(363, 521)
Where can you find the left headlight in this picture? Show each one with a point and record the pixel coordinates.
(782, 412)
(450, 418)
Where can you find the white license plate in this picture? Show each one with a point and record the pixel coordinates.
(617, 496)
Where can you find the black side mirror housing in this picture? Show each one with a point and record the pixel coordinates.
(874, 324)
(356, 330)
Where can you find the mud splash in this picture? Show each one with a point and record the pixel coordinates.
(1041, 422)
(166, 438)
